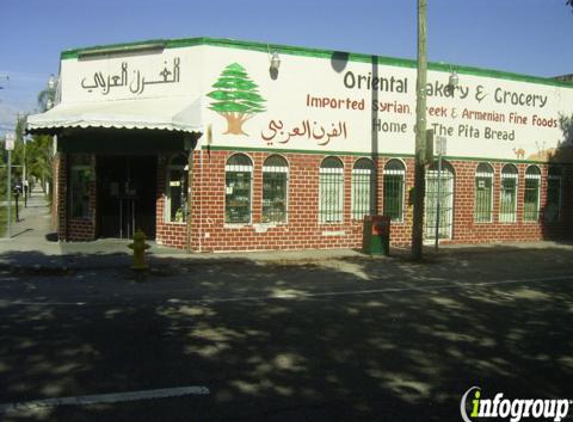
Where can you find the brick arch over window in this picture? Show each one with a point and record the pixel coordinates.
(363, 188)
(275, 189)
(176, 189)
(238, 189)
(508, 194)
(394, 185)
(552, 209)
(532, 194)
(446, 167)
(483, 195)
(439, 201)
(331, 190)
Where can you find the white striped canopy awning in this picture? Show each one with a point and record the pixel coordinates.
(173, 114)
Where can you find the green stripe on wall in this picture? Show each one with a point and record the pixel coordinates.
(362, 154)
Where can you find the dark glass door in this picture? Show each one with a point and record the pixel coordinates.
(126, 195)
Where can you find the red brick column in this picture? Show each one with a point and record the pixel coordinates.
(61, 195)
(166, 233)
(82, 228)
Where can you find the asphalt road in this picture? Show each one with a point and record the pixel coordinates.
(348, 339)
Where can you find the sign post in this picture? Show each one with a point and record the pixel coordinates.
(9, 145)
(25, 184)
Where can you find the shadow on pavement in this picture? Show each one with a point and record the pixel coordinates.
(20, 233)
(52, 237)
(407, 354)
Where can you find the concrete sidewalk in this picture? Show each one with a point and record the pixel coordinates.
(32, 231)
(33, 245)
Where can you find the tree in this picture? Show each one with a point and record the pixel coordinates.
(39, 150)
(566, 125)
(37, 154)
(46, 97)
(236, 98)
(39, 158)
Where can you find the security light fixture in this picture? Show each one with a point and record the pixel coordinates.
(275, 61)
(52, 82)
(454, 79)
(51, 92)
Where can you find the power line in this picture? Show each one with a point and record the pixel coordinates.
(6, 77)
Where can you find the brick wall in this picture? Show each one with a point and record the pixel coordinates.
(168, 234)
(61, 195)
(56, 187)
(303, 230)
(210, 233)
(69, 228)
(465, 230)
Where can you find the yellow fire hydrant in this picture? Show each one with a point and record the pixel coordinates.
(139, 246)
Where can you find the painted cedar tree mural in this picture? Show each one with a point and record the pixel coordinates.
(236, 98)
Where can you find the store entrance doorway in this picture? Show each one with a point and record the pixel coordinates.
(127, 189)
(439, 190)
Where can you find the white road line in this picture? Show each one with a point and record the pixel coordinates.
(27, 303)
(103, 398)
(425, 288)
(302, 294)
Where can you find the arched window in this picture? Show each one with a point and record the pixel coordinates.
(238, 187)
(439, 205)
(531, 194)
(508, 200)
(176, 190)
(483, 205)
(275, 189)
(362, 188)
(552, 211)
(331, 192)
(393, 200)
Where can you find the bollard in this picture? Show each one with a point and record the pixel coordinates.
(139, 246)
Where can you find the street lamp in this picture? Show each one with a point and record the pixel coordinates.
(454, 79)
(51, 91)
(26, 184)
(52, 82)
(9, 141)
(6, 77)
(275, 63)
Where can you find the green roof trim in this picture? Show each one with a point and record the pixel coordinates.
(308, 52)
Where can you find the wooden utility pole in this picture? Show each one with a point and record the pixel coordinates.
(420, 158)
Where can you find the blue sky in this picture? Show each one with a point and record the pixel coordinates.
(524, 36)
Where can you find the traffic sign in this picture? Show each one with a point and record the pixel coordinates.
(10, 140)
(441, 145)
